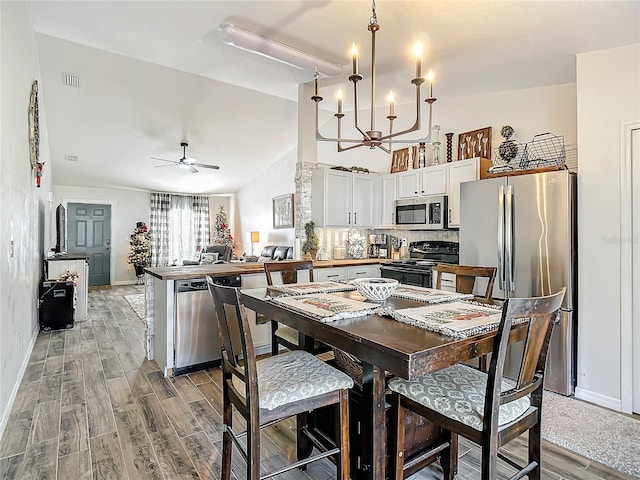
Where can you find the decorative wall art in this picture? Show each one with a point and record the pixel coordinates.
(283, 211)
(476, 143)
(34, 133)
(400, 160)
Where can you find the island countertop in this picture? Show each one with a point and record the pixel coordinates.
(225, 269)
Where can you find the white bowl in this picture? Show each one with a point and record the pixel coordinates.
(375, 289)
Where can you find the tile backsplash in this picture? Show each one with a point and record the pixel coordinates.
(331, 237)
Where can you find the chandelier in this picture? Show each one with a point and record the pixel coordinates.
(373, 137)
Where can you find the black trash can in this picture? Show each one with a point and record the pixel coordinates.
(56, 305)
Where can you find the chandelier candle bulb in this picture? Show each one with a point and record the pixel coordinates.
(430, 78)
(391, 103)
(354, 53)
(339, 100)
(417, 49)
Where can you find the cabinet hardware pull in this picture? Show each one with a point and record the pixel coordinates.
(349, 218)
(355, 218)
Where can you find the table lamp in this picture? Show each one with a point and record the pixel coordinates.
(255, 238)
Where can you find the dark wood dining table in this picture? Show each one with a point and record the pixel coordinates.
(383, 345)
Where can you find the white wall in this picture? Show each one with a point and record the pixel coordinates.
(24, 211)
(253, 206)
(529, 111)
(608, 93)
(127, 208)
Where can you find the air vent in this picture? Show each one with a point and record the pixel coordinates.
(71, 80)
(71, 158)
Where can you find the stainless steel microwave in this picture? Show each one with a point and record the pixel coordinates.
(424, 213)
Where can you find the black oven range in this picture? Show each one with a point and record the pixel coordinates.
(422, 256)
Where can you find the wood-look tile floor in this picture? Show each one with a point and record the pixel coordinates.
(91, 406)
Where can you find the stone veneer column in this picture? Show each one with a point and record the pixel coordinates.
(302, 207)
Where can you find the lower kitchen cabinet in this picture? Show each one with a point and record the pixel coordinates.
(339, 274)
(330, 274)
(364, 271)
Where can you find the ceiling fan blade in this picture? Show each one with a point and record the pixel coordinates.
(160, 166)
(214, 167)
(192, 169)
(162, 159)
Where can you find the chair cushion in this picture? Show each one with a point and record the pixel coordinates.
(208, 258)
(458, 393)
(294, 376)
(287, 333)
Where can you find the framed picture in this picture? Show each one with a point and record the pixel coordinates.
(400, 160)
(476, 143)
(283, 211)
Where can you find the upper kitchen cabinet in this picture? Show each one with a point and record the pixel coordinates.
(388, 196)
(424, 181)
(459, 172)
(342, 199)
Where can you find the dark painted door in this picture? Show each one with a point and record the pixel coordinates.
(89, 232)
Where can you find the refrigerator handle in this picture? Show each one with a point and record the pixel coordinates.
(509, 246)
(501, 275)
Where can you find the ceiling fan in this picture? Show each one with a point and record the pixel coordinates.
(185, 162)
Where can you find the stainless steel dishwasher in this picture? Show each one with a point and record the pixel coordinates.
(196, 341)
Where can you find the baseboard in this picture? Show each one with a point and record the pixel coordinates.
(262, 349)
(598, 399)
(5, 415)
(125, 282)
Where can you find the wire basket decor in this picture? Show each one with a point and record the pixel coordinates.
(545, 150)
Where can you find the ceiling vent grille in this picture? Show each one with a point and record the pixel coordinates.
(71, 80)
(71, 158)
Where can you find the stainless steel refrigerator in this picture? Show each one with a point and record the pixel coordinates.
(525, 226)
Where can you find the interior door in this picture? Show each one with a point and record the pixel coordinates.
(89, 232)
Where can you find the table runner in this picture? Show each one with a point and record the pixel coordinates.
(456, 319)
(308, 288)
(325, 307)
(428, 295)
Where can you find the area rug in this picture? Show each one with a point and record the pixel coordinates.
(596, 433)
(137, 303)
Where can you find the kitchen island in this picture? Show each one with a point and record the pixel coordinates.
(164, 284)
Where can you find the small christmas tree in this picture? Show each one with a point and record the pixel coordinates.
(222, 233)
(140, 243)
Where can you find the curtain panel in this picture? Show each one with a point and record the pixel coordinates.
(159, 229)
(183, 227)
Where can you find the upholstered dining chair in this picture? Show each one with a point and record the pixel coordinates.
(281, 334)
(486, 408)
(272, 389)
(466, 277)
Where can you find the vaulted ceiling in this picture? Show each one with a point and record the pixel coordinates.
(154, 73)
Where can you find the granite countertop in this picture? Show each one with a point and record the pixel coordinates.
(224, 269)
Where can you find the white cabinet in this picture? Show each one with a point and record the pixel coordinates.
(363, 271)
(333, 274)
(409, 184)
(342, 199)
(58, 265)
(388, 200)
(447, 281)
(434, 180)
(424, 181)
(461, 171)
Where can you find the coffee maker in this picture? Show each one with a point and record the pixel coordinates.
(378, 246)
